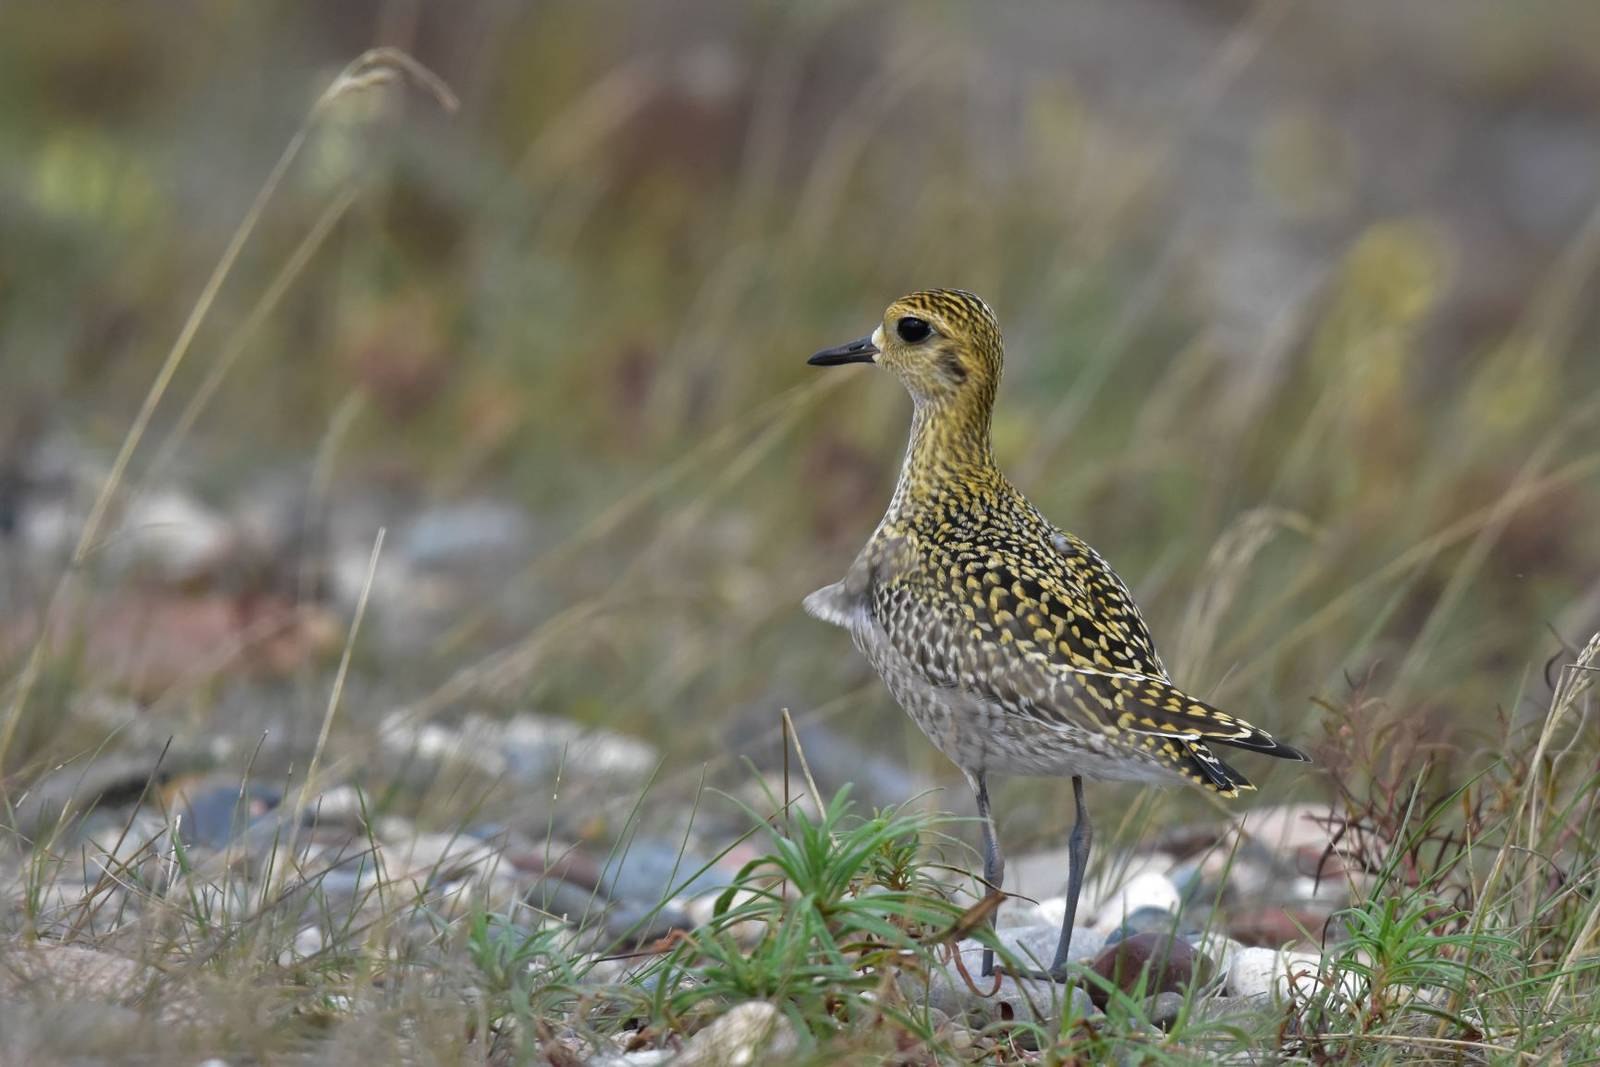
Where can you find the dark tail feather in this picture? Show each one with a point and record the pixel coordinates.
(1204, 768)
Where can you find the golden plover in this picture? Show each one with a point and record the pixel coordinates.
(1012, 644)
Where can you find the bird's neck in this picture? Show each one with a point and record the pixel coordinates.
(949, 447)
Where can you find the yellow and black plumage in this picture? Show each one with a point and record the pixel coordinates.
(1012, 644)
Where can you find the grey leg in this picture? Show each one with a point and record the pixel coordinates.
(1078, 862)
(1078, 856)
(994, 865)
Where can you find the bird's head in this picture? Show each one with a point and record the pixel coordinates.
(943, 344)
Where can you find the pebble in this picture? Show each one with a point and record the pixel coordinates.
(1026, 998)
(534, 746)
(171, 535)
(646, 870)
(751, 1033)
(51, 968)
(644, 1057)
(1229, 1009)
(215, 811)
(75, 788)
(1163, 1009)
(1256, 972)
(141, 848)
(701, 911)
(339, 806)
(1145, 891)
(565, 900)
(427, 858)
(1146, 920)
(634, 924)
(622, 922)
(1173, 965)
(470, 534)
(526, 748)
(1272, 926)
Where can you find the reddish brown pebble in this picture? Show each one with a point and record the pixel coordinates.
(1173, 964)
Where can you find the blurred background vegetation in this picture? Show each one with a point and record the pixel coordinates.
(1300, 310)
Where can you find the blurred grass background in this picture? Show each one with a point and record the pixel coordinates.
(1299, 300)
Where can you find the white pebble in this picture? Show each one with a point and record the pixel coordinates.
(1256, 971)
(750, 1033)
(1144, 890)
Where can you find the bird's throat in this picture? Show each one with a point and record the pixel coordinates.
(948, 451)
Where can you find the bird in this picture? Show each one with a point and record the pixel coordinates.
(1013, 644)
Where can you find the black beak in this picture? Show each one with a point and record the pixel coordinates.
(860, 351)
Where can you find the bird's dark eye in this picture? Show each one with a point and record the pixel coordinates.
(912, 329)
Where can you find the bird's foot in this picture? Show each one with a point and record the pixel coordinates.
(1059, 974)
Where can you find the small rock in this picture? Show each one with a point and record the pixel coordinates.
(1144, 921)
(1310, 840)
(526, 748)
(556, 859)
(535, 745)
(1272, 927)
(308, 941)
(644, 1057)
(1015, 998)
(1163, 1009)
(565, 900)
(1148, 889)
(754, 1032)
(141, 848)
(621, 922)
(701, 910)
(75, 788)
(1223, 1009)
(1286, 828)
(1217, 948)
(1171, 962)
(341, 806)
(172, 535)
(1256, 972)
(430, 858)
(634, 924)
(646, 870)
(52, 971)
(215, 809)
(433, 742)
(470, 534)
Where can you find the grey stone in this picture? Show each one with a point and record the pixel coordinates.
(637, 925)
(75, 788)
(470, 534)
(216, 810)
(1163, 1009)
(751, 1033)
(647, 870)
(1028, 999)
(1145, 920)
(1222, 1008)
(566, 900)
